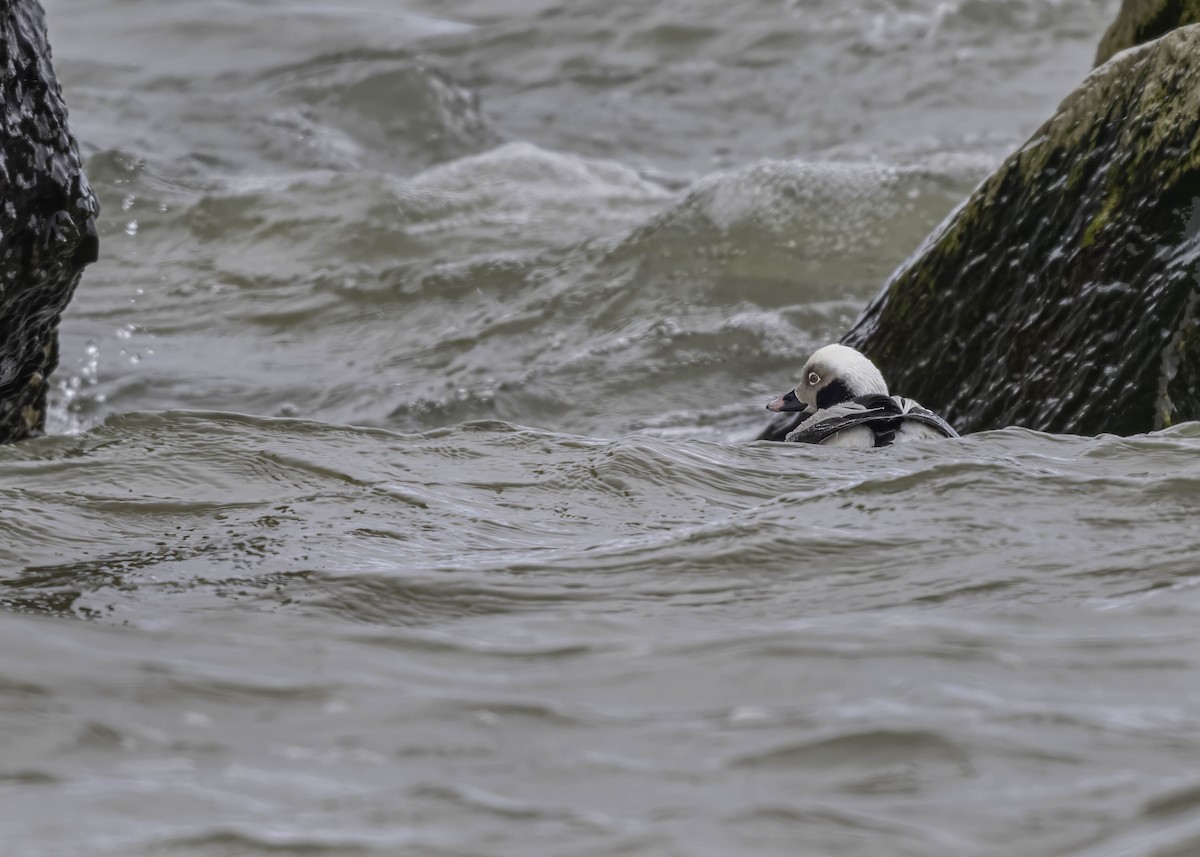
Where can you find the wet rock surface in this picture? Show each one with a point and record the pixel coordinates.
(1062, 295)
(47, 218)
(1140, 21)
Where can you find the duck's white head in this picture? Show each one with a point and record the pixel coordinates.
(834, 374)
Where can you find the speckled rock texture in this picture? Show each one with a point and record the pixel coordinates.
(47, 218)
(1140, 21)
(1062, 295)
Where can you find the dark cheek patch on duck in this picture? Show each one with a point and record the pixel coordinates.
(834, 393)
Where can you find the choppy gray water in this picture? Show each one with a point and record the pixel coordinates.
(400, 499)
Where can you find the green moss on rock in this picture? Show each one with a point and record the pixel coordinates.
(1140, 21)
(1062, 294)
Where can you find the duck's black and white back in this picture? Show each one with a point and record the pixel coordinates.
(847, 403)
(870, 421)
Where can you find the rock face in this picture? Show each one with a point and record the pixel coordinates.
(1063, 294)
(1139, 21)
(47, 218)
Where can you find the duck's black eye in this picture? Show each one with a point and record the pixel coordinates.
(814, 379)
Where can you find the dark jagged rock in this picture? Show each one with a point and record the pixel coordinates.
(47, 218)
(1063, 294)
(1140, 21)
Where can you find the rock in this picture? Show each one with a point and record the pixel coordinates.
(1062, 295)
(1139, 21)
(47, 218)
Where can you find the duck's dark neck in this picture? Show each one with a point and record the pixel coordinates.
(832, 394)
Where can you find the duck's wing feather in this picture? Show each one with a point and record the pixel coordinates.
(916, 411)
(891, 419)
(879, 413)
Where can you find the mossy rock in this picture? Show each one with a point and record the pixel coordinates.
(1062, 295)
(1140, 21)
(47, 218)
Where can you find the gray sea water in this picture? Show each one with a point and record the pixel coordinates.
(399, 496)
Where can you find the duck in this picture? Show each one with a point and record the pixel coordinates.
(843, 400)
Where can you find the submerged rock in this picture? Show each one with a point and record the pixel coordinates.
(47, 218)
(1062, 295)
(1140, 21)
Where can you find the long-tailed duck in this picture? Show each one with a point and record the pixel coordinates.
(844, 401)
